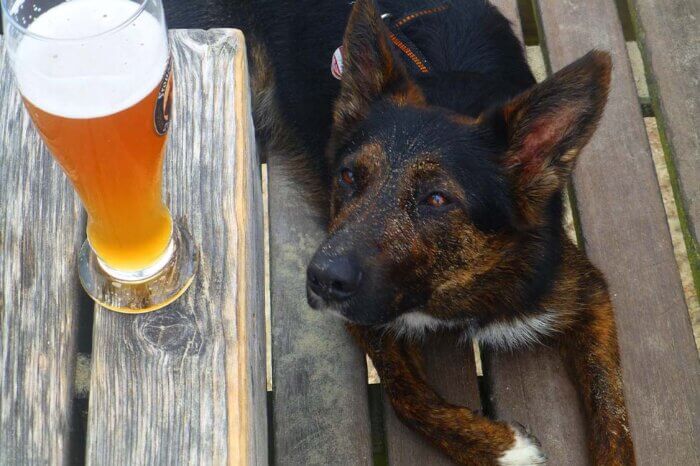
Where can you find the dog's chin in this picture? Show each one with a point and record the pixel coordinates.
(315, 301)
(342, 310)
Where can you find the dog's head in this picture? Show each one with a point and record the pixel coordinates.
(425, 200)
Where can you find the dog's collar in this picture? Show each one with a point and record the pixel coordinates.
(411, 54)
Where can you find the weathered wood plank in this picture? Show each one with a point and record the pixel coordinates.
(669, 38)
(320, 401)
(40, 234)
(451, 370)
(625, 233)
(186, 384)
(532, 387)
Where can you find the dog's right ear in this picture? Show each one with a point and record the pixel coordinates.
(370, 69)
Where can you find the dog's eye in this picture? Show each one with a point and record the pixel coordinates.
(437, 199)
(347, 176)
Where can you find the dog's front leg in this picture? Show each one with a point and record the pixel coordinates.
(591, 351)
(463, 435)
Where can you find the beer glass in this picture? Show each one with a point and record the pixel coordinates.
(96, 79)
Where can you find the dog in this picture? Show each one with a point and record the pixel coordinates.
(443, 163)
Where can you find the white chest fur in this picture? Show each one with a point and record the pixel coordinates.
(515, 332)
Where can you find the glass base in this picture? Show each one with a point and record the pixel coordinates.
(144, 290)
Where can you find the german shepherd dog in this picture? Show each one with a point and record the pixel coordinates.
(444, 165)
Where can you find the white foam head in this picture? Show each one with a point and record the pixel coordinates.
(107, 71)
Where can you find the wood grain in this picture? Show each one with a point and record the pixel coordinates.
(624, 232)
(40, 234)
(186, 384)
(451, 371)
(320, 401)
(532, 386)
(669, 39)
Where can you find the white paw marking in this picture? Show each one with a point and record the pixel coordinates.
(523, 453)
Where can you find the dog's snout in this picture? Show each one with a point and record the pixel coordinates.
(334, 278)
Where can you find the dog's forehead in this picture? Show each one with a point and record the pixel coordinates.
(418, 140)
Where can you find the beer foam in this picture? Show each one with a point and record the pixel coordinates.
(108, 71)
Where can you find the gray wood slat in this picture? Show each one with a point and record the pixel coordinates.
(532, 386)
(669, 37)
(320, 400)
(186, 384)
(40, 234)
(451, 371)
(625, 233)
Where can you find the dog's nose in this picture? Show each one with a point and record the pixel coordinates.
(334, 278)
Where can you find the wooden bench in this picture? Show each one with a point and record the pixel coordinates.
(186, 385)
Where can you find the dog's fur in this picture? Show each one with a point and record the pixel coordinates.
(445, 198)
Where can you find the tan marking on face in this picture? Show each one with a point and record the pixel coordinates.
(479, 252)
(371, 158)
(370, 162)
(410, 95)
(464, 119)
(425, 167)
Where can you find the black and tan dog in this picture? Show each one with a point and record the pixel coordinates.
(445, 164)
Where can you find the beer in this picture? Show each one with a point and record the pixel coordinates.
(102, 107)
(95, 77)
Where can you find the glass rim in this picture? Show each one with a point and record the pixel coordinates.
(25, 31)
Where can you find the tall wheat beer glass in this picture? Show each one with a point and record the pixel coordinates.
(95, 77)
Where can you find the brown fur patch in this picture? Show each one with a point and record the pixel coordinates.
(464, 119)
(591, 351)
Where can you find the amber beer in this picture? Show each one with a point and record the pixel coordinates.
(110, 140)
(95, 76)
(115, 164)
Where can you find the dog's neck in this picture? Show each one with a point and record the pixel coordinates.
(513, 322)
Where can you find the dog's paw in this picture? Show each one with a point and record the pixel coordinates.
(525, 452)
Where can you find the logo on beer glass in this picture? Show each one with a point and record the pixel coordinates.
(161, 116)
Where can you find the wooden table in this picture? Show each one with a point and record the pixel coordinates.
(183, 385)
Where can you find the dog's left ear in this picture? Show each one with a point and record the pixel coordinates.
(371, 71)
(547, 126)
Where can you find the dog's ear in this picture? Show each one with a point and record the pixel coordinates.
(547, 126)
(370, 69)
